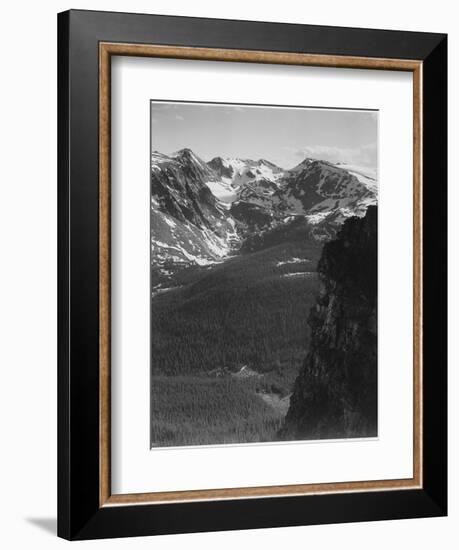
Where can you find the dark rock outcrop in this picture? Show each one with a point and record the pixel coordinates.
(219, 167)
(335, 394)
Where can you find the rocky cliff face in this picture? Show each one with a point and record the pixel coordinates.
(335, 394)
(178, 185)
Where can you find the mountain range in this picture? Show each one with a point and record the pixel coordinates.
(205, 212)
(242, 251)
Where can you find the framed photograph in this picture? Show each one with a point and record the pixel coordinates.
(252, 274)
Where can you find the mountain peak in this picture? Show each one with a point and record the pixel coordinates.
(307, 162)
(265, 162)
(188, 157)
(216, 160)
(185, 152)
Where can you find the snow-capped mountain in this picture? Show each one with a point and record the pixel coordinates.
(318, 186)
(252, 185)
(188, 223)
(241, 179)
(203, 212)
(325, 193)
(364, 174)
(238, 172)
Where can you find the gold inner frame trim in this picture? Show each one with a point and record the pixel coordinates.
(106, 51)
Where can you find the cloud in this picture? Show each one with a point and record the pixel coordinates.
(365, 154)
(179, 117)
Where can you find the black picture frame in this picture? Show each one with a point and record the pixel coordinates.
(80, 515)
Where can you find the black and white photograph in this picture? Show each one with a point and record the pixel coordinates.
(263, 273)
(228, 300)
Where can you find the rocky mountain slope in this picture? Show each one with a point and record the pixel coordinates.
(189, 225)
(204, 212)
(326, 194)
(335, 394)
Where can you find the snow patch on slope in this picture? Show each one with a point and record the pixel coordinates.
(223, 191)
(365, 174)
(293, 261)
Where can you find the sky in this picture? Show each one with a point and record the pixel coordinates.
(282, 135)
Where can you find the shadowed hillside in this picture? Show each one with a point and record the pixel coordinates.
(335, 394)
